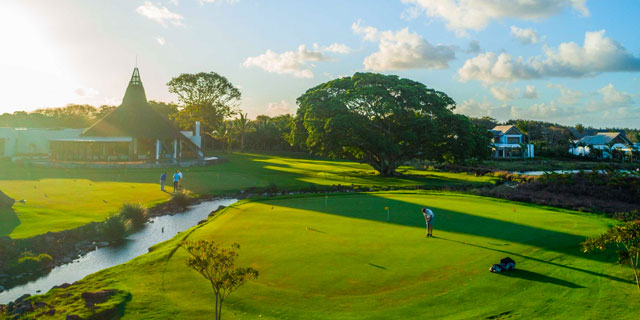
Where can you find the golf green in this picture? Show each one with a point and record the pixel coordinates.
(337, 257)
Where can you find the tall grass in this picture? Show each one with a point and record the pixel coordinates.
(181, 199)
(113, 229)
(134, 212)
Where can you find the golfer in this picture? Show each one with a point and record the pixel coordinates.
(176, 180)
(428, 218)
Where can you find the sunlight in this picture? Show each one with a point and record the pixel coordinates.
(31, 62)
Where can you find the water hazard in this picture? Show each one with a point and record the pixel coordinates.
(158, 230)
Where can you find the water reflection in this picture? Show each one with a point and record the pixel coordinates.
(161, 229)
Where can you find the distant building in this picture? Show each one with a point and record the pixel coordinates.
(508, 143)
(29, 142)
(133, 132)
(606, 142)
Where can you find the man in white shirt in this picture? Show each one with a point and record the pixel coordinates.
(180, 181)
(428, 218)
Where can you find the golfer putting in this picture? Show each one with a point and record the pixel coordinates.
(428, 218)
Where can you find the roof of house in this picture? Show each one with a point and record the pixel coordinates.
(602, 138)
(500, 130)
(134, 118)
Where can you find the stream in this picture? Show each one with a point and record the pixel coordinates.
(157, 230)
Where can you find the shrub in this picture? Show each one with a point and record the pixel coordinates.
(28, 262)
(271, 188)
(113, 229)
(181, 199)
(134, 212)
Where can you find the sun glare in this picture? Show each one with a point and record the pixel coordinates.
(32, 65)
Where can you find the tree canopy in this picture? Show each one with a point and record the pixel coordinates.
(205, 97)
(384, 121)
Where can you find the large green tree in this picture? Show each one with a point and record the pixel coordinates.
(206, 97)
(384, 121)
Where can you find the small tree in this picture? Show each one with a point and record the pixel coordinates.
(217, 265)
(242, 125)
(626, 238)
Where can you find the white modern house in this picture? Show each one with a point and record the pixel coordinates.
(607, 142)
(16, 142)
(509, 143)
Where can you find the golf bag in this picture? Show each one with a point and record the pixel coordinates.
(506, 264)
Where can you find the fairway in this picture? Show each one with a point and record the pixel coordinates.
(59, 199)
(58, 204)
(336, 257)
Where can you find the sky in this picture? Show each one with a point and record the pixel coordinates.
(563, 61)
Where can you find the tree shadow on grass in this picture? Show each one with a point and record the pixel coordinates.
(8, 221)
(370, 207)
(509, 253)
(537, 277)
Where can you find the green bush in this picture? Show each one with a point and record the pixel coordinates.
(134, 212)
(181, 198)
(113, 229)
(28, 262)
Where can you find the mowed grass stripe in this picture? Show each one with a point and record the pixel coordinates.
(317, 263)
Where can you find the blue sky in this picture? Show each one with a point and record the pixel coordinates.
(565, 61)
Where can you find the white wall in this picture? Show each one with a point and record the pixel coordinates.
(31, 140)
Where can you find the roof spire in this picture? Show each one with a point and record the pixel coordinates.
(135, 77)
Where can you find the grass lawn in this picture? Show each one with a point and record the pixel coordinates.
(59, 199)
(336, 257)
(59, 204)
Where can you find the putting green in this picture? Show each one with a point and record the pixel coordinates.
(337, 257)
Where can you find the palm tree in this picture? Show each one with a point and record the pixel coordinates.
(242, 126)
(223, 133)
(580, 128)
(524, 126)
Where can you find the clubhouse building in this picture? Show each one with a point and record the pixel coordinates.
(133, 133)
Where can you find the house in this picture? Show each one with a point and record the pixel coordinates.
(606, 142)
(17, 142)
(509, 143)
(133, 132)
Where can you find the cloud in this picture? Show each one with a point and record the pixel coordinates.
(160, 40)
(279, 108)
(463, 15)
(202, 2)
(159, 14)
(530, 92)
(86, 92)
(597, 55)
(338, 48)
(296, 63)
(175, 2)
(403, 50)
(613, 97)
(543, 111)
(526, 36)
(474, 47)
(484, 108)
(505, 93)
(567, 96)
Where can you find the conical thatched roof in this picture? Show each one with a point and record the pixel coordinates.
(134, 118)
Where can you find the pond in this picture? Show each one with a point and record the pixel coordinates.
(157, 230)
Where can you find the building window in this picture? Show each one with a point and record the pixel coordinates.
(513, 140)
